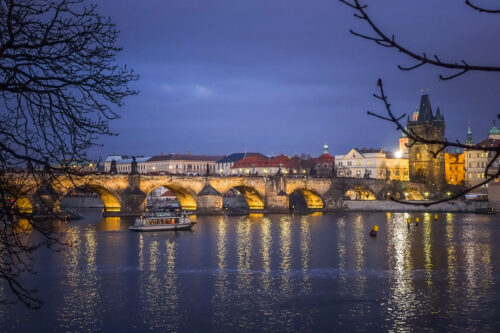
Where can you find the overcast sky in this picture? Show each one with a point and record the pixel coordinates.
(286, 76)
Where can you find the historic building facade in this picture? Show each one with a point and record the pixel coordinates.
(477, 160)
(324, 165)
(455, 168)
(372, 163)
(424, 167)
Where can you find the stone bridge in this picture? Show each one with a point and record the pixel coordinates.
(126, 194)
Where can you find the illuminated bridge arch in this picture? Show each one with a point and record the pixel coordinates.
(360, 193)
(412, 195)
(25, 206)
(186, 198)
(312, 199)
(110, 199)
(252, 197)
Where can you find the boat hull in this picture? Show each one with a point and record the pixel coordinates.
(163, 227)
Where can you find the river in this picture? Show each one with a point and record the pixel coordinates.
(319, 272)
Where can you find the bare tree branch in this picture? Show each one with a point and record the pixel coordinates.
(59, 86)
(482, 10)
(383, 39)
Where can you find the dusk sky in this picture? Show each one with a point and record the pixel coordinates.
(286, 76)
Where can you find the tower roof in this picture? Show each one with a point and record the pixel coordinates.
(425, 110)
(468, 138)
(425, 114)
(494, 130)
(439, 116)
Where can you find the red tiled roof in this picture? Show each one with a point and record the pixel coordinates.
(325, 158)
(251, 161)
(489, 143)
(284, 161)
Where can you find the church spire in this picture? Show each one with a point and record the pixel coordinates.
(468, 138)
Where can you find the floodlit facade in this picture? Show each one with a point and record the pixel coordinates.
(372, 163)
(476, 161)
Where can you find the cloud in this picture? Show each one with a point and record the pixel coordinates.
(187, 91)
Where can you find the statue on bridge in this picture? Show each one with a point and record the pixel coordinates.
(133, 166)
(113, 170)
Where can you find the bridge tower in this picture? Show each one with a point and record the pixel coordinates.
(424, 166)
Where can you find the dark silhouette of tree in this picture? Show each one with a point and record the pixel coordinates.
(58, 83)
(462, 67)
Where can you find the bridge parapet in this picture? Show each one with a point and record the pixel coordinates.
(126, 194)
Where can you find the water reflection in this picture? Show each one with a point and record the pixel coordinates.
(273, 273)
(244, 252)
(81, 308)
(158, 283)
(221, 281)
(451, 258)
(305, 249)
(427, 248)
(285, 244)
(403, 300)
(342, 252)
(266, 239)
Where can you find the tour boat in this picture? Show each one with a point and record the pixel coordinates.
(162, 221)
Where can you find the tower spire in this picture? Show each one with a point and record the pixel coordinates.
(468, 138)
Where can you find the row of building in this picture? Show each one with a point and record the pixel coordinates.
(237, 164)
(411, 162)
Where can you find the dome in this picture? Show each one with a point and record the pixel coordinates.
(494, 130)
(325, 149)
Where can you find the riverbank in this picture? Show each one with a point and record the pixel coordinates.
(386, 205)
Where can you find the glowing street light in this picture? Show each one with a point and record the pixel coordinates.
(398, 154)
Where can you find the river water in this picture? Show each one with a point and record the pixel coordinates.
(319, 272)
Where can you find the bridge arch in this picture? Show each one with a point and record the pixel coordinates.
(311, 198)
(186, 198)
(360, 192)
(24, 205)
(110, 199)
(252, 197)
(412, 195)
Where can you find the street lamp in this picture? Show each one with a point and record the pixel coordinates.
(426, 195)
(406, 195)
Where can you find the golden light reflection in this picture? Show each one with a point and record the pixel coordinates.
(23, 226)
(451, 251)
(359, 242)
(305, 244)
(341, 246)
(170, 285)
(428, 248)
(244, 252)
(285, 245)
(266, 239)
(141, 252)
(81, 308)
(110, 224)
(221, 295)
(403, 302)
